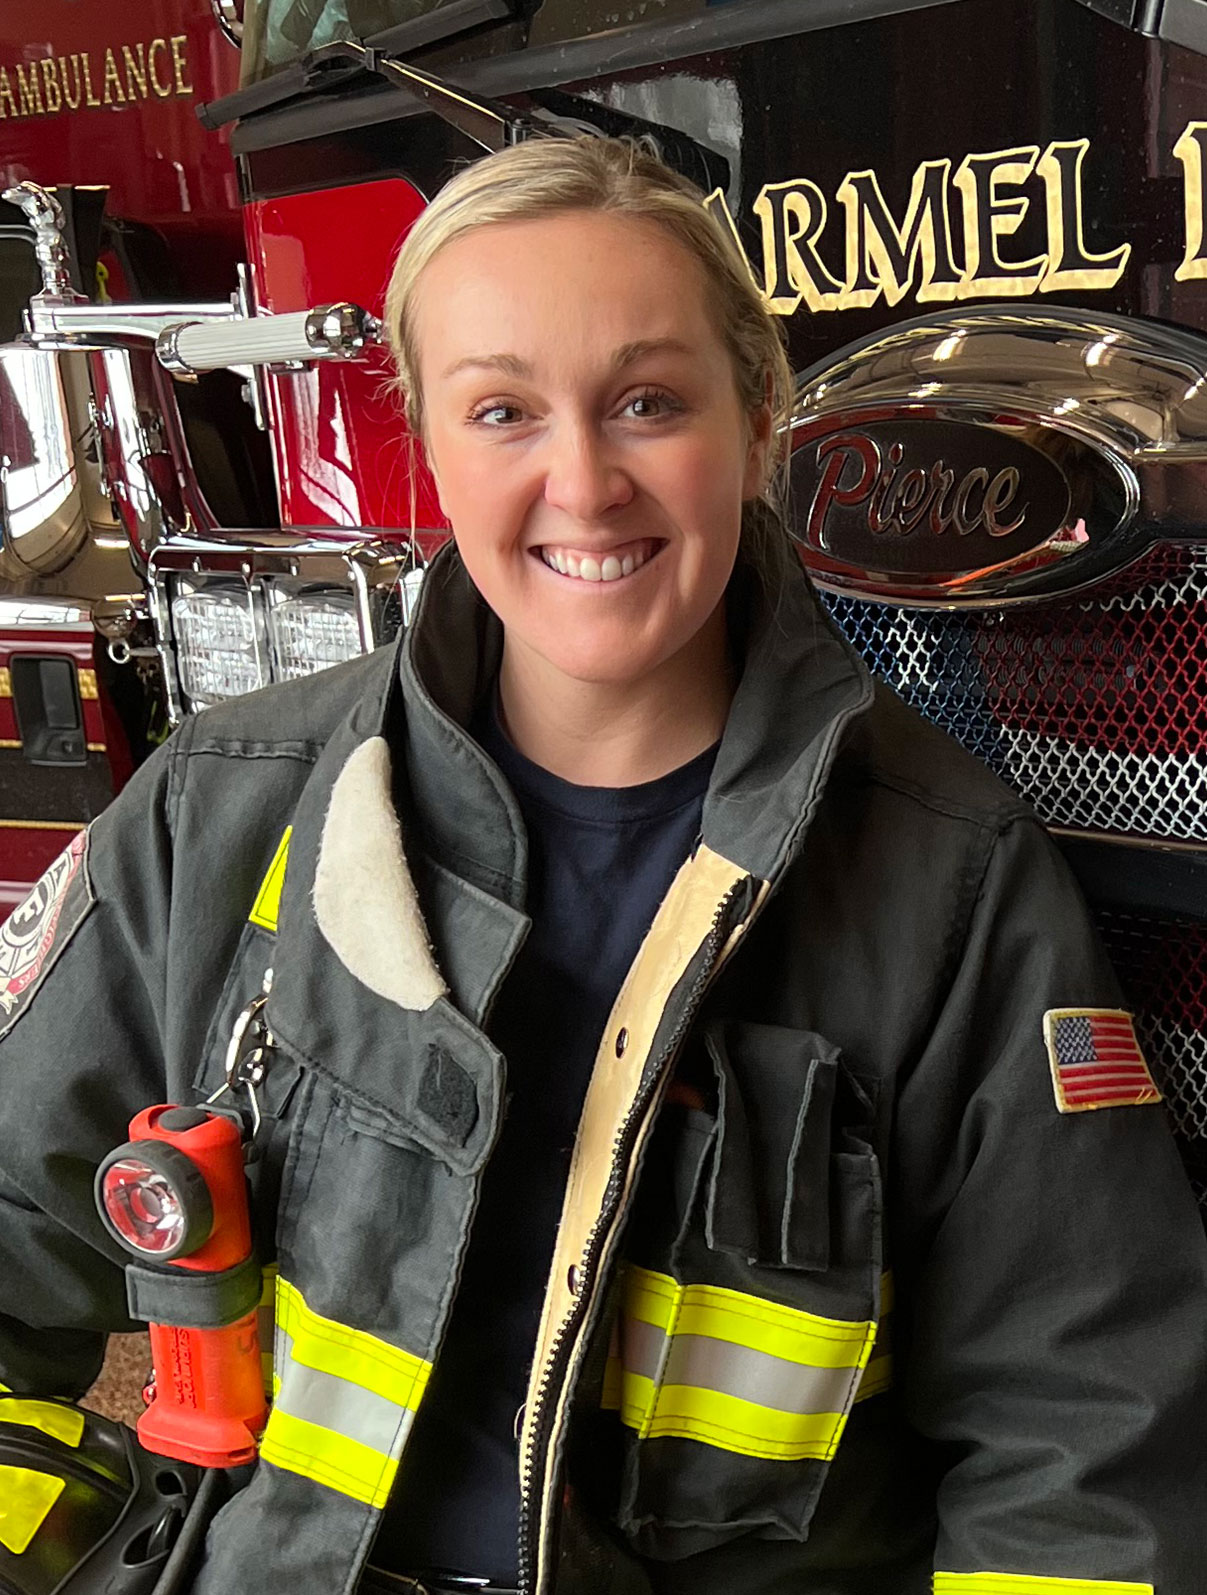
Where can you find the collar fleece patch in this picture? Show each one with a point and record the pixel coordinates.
(1096, 1060)
(37, 930)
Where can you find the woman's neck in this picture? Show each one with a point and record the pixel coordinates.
(619, 734)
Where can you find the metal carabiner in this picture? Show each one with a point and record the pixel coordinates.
(247, 1055)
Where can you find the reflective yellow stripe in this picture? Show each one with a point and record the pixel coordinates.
(26, 1498)
(329, 1458)
(52, 1417)
(697, 1362)
(877, 1375)
(267, 906)
(686, 1412)
(1026, 1584)
(344, 1401)
(743, 1320)
(349, 1354)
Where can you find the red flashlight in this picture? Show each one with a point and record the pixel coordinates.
(175, 1194)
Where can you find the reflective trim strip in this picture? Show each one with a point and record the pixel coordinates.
(318, 1398)
(26, 1498)
(345, 1401)
(1026, 1584)
(60, 1422)
(741, 1320)
(267, 906)
(699, 1362)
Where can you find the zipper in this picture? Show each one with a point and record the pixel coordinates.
(556, 1365)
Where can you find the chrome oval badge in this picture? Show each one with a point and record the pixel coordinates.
(998, 456)
(920, 497)
(964, 505)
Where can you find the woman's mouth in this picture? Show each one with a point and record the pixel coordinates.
(596, 566)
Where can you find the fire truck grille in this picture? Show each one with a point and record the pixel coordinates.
(1162, 964)
(1093, 708)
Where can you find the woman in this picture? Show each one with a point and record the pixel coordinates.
(653, 1004)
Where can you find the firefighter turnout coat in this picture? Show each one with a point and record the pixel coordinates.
(877, 1270)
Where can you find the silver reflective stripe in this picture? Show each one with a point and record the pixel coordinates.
(733, 1370)
(333, 1403)
(345, 1401)
(756, 1376)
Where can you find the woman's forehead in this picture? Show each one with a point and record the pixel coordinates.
(573, 282)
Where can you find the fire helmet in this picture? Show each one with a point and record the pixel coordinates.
(84, 1509)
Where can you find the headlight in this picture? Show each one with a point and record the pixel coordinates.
(237, 617)
(218, 644)
(310, 632)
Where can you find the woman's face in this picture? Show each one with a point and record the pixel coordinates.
(583, 423)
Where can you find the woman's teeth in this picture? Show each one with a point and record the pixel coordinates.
(587, 569)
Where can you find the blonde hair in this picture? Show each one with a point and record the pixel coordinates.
(548, 176)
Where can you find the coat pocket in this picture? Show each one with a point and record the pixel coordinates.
(751, 1297)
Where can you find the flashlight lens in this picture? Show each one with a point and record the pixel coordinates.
(143, 1207)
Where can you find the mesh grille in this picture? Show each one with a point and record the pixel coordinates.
(1162, 964)
(1093, 709)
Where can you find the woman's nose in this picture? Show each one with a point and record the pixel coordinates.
(583, 476)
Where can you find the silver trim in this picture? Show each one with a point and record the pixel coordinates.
(369, 568)
(337, 331)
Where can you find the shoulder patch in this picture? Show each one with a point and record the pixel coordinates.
(1096, 1060)
(37, 930)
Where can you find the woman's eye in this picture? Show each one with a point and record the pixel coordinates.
(649, 406)
(497, 414)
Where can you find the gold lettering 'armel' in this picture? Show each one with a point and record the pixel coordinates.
(121, 74)
(949, 241)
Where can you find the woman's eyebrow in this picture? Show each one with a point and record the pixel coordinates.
(628, 353)
(511, 365)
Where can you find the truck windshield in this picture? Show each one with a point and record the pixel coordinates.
(278, 32)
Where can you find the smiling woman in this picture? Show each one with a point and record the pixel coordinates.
(598, 481)
(699, 1145)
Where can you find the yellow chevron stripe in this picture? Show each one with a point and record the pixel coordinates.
(54, 1418)
(26, 1498)
(267, 906)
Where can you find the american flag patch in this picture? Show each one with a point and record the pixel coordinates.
(1096, 1060)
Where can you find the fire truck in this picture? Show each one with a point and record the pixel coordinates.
(981, 221)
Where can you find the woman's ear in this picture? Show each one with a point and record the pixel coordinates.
(761, 428)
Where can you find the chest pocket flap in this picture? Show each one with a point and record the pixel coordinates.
(751, 1298)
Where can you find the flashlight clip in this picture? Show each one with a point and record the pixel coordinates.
(247, 1055)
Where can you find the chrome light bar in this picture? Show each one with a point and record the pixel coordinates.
(230, 617)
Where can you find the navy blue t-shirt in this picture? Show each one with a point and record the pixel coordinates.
(601, 860)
